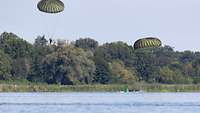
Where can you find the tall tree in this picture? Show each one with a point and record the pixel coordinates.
(14, 46)
(102, 73)
(5, 66)
(68, 66)
(116, 50)
(20, 51)
(121, 74)
(40, 41)
(86, 43)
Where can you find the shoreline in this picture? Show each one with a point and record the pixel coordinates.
(100, 88)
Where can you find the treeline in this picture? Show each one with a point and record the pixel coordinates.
(84, 61)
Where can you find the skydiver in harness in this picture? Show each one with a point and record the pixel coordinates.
(50, 41)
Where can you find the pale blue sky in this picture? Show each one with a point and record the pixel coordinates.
(175, 22)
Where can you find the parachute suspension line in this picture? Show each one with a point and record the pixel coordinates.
(50, 8)
(53, 27)
(46, 26)
(67, 3)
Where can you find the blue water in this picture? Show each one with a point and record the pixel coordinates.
(99, 103)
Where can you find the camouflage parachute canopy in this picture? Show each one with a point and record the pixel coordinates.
(147, 42)
(51, 6)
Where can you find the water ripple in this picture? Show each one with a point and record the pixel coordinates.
(100, 104)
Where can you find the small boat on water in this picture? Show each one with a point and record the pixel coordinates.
(126, 90)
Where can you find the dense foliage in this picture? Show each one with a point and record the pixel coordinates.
(86, 62)
(5, 66)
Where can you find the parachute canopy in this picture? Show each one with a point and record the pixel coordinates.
(147, 42)
(51, 6)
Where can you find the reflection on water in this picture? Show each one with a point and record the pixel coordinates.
(99, 103)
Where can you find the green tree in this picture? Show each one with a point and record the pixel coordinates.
(20, 52)
(86, 43)
(21, 68)
(40, 41)
(146, 64)
(102, 73)
(120, 74)
(116, 50)
(14, 46)
(68, 66)
(41, 49)
(196, 67)
(165, 55)
(170, 76)
(5, 66)
(187, 56)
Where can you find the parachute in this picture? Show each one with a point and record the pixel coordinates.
(147, 42)
(51, 6)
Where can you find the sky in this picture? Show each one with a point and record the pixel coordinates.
(175, 22)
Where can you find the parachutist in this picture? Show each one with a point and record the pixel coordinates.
(50, 41)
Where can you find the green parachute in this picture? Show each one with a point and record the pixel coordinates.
(51, 6)
(147, 43)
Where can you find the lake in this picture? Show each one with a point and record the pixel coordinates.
(99, 102)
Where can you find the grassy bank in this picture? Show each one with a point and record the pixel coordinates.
(97, 88)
